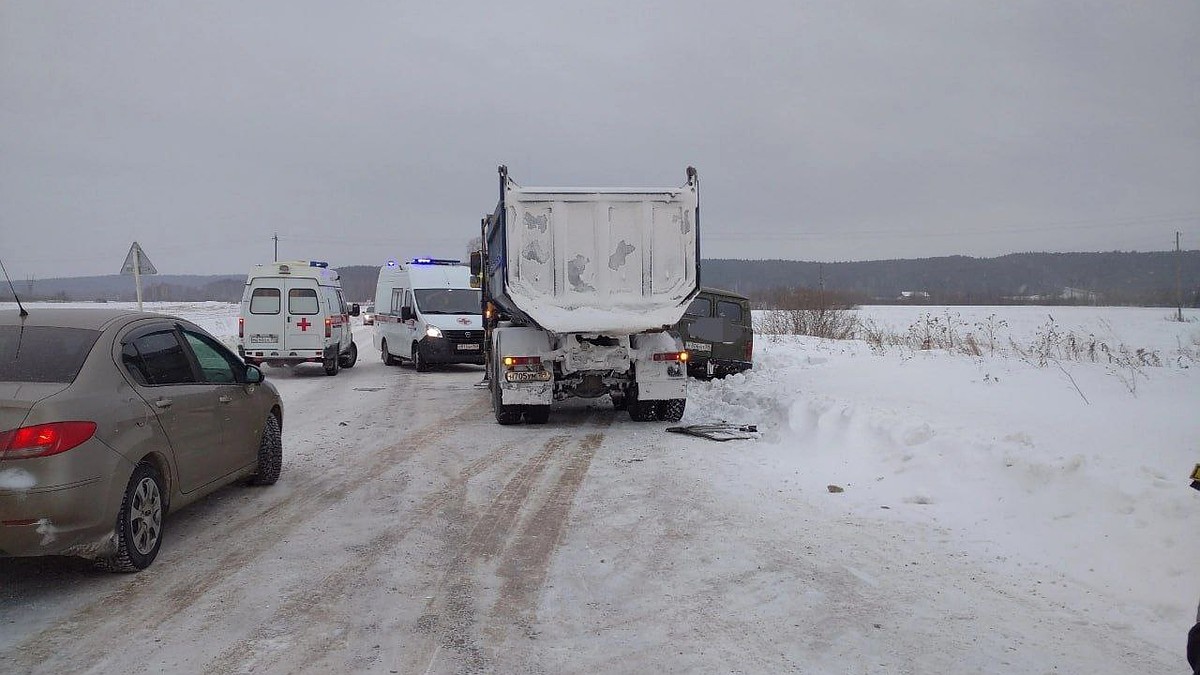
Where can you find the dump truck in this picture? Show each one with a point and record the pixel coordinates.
(580, 290)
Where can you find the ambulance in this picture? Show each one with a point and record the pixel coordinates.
(427, 313)
(294, 312)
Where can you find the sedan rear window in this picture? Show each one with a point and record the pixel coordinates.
(43, 353)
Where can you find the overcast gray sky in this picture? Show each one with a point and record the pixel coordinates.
(838, 130)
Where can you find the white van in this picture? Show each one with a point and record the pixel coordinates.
(427, 313)
(293, 312)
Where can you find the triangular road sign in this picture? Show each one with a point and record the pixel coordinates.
(137, 254)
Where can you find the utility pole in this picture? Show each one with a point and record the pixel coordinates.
(276, 238)
(1178, 281)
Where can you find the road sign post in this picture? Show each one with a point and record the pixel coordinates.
(137, 264)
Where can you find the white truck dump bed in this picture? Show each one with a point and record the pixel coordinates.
(595, 260)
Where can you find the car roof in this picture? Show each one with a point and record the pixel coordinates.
(717, 291)
(74, 317)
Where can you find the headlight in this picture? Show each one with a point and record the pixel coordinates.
(433, 331)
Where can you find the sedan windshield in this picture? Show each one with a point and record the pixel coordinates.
(43, 353)
(448, 300)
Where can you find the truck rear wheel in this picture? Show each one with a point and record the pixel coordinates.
(639, 410)
(537, 414)
(671, 410)
(505, 414)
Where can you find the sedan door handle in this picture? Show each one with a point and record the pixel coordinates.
(224, 399)
(163, 403)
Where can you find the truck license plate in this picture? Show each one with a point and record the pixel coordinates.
(698, 347)
(466, 347)
(528, 376)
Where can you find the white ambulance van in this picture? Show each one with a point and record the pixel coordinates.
(427, 313)
(293, 312)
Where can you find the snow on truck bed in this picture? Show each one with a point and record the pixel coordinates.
(612, 261)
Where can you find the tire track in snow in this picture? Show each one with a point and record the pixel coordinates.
(72, 644)
(451, 615)
(284, 634)
(527, 561)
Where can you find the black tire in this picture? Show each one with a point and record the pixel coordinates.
(639, 410)
(671, 410)
(537, 414)
(388, 359)
(139, 521)
(351, 357)
(270, 453)
(505, 414)
(331, 365)
(418, 361)
(619, 401)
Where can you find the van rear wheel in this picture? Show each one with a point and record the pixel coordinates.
(388, 359)
(351, 357)
(331, 365)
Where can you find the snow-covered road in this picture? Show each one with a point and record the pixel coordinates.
(411, 534)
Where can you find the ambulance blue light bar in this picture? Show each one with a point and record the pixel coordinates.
(435, 261)
(318, 263)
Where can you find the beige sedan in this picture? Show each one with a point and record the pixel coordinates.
(110, 418)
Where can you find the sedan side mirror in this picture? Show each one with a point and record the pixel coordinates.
(354, 309)
(254, 374)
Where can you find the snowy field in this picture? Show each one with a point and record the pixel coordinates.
(1001, 483)
(1074, 473)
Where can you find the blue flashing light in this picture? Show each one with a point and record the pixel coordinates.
(392, 262)
(318, 263)
(435, 261)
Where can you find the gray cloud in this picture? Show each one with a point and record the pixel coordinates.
(822, 130)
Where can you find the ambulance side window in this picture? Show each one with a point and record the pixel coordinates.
(264, 301)
(407, 298)
(397, 298)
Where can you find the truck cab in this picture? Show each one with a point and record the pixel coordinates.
(294, 312)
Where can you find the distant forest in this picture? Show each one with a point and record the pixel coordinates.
(1117, 278)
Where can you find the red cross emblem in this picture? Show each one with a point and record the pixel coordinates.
(304, 324)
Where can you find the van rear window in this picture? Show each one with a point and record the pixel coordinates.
(264, 301)
(43, 353)
(699, 307)
(302, 301)
(730, 310)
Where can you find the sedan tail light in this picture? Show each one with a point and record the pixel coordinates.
(43, 440)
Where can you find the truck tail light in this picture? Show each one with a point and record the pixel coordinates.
(510, 361)
(671, 356)
(43, 440)
(241, 327)
(750, 349)
(328, 327)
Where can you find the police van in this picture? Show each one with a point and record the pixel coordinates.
(294, 312)
(427, 313)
